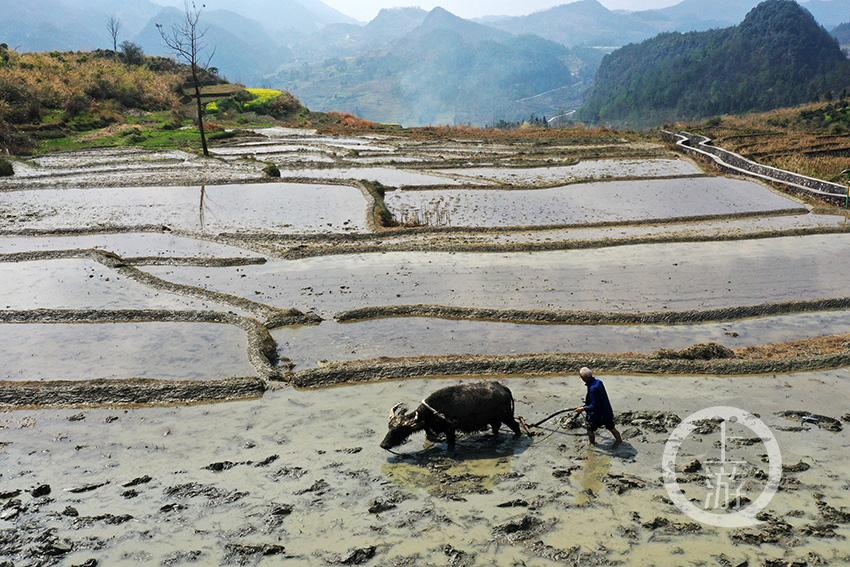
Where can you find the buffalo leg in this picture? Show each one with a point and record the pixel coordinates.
(450, 439)
(512, 423)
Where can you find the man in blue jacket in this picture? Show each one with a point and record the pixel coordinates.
(597, 408)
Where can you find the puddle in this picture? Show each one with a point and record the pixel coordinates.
(398, 338)
(178, 351)
(587, 169)
(385, 175)
(306, 468)
(655, 277)
(127, 245)
(270, 207)
(81, 284)
(261, 149)
(615, 201)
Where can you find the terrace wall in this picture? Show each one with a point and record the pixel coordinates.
(730, 162)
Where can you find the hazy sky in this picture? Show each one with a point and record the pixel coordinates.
(366, 9)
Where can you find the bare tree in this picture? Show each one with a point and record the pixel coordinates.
(113, 24)
(186, 40)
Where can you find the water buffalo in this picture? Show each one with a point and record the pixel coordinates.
(468, 408)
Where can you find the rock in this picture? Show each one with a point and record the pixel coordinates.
(692, 467)
(271, 170)
(70, 512)
(822, 421)
(40, 491)
(86, 488)
(137, 481)
(9, 494)
(219, 467)
(128, 494)
(622, 483)
(519, 529)
(359, 556)
(513, 504)
(87, 563)
(798, 468)
(267, 461)
(378, 506)
(77, 417)
(655, 421)
(318, 487)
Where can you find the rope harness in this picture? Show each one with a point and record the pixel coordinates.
(438, 414)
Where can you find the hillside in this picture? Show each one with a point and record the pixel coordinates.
(586, 22)
(72, 100)
(448, 70)
(245, 52)
(842, 34)
(779, 56)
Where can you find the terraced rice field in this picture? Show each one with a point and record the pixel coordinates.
(136, 288)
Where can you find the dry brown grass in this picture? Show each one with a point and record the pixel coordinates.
(784, 138)
(819, 346)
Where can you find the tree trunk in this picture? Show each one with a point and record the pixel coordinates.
(200, 112)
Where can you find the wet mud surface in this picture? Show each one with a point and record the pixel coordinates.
(131, 299)
(588, 203)
(119, 350)
(410, 337)
(279, 479)
(214, 208)
(661, 277)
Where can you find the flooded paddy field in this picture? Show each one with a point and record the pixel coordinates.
(658, 277)
(308, 347)
(384, 175)
(588, 203)
(80, 284)
(286, 207)
(298, 476)
(128, 245)
(584, 170)
(175, 351)
(94, 337)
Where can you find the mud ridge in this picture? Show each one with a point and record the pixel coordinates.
(272, 317)
(21, 395)
(553, 364)
(340, 248)
(203, 262)
(544, 317)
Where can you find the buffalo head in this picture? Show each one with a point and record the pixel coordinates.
(402, 426)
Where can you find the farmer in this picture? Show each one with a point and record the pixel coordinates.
(597, 408)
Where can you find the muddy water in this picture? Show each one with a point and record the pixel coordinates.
(82, 284)
(587, 169)
(385, 175)
(178, 351)
(125, 245)
(634, 278)
(615, 201)
(329, 470)
(395, 338)
(276, 207)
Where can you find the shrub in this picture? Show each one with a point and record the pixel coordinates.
(131, 53)
(271, 170)
(6, 168)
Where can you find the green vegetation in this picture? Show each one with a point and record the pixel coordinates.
(779, 56)
(69, 101)
(6, 168)
(271, 170)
